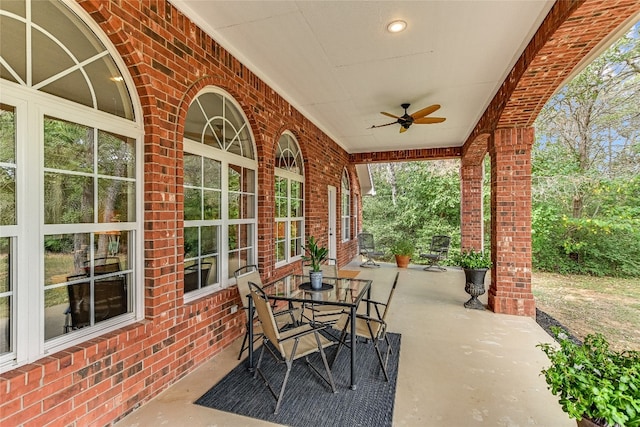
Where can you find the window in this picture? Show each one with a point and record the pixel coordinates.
(220, 203)
(346, 207)
(69, 184)
(289, 200)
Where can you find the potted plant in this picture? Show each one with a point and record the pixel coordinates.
(403, 250)
(597, 385)
(315, 255)
(475, 265)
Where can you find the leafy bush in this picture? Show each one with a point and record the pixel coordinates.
(594, 381)
(471, 259)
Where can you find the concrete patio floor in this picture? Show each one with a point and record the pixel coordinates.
(457, 368)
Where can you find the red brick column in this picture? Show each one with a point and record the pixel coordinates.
(471, 206)
(510, 290)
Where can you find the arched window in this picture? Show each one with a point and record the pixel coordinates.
(220, 203)
(70, 150)
(346, 206)
(289, 200)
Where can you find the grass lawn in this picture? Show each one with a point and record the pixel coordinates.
(585, 305)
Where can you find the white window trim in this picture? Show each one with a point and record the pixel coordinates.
(225, 158)
(28, 331)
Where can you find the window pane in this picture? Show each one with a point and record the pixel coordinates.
(5, 325)
(68, 199)
(234, 178)
(192, 170)
(296, 238)
(280, 252)
(234, 206)
(111, 252)
(80, 290)
(7, 134)
(5, 301)
(248, 206)
(65, 255)
(116, 200)
(5, 273)
(212, 204)
(191, 242)
(67, 146)
(116, 155)
(192, 204)
(7, 196)
(209, 240)
(212, 171)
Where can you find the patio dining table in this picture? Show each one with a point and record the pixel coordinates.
(337, 291)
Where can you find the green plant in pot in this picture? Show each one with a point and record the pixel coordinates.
(475, 265)
(597, 385)
(403, 250)
(315, 254)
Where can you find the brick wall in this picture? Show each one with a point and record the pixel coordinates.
(171, 60)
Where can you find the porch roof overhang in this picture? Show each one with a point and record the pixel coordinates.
(489, 64)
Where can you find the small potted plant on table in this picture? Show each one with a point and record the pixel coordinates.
(475, 265)
(315, 255)
(597, 386)
(403, 251)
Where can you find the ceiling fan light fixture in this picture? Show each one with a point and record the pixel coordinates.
(396, 26)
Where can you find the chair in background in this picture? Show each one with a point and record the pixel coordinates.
(367, 248)
(110, 300)
(289, 345)
(373, 327)
(438, 251)
(244, 275)
(191, 276)
(103, 265)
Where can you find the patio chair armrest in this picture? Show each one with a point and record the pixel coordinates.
(300, 331)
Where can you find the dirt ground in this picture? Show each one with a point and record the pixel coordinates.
(586, 305)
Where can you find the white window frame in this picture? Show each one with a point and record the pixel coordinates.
(226, 159)
(32, 105)
(345, 206)
(290, 176)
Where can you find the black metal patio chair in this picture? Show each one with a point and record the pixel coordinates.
(367, 248)
(438, 251)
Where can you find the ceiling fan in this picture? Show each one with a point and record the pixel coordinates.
(419, 117)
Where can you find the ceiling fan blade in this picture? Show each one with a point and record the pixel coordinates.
(389, 115)
(425, 111)
(429, 120)
(403, 129)
(386, 124)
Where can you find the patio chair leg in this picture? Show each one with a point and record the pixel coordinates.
(326, 364)
(382, 362)
(340, 344)
(244, 346)
(284, 384)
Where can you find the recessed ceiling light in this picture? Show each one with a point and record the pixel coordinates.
(116, 79)
(396, 26)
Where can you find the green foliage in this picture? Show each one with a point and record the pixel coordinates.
(472, 259)
(315, 253)
(594, 381)
(414, 201)
(599, 247)
(403, 247)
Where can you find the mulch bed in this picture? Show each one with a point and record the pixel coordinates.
(546, 322)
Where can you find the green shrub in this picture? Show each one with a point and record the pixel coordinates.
(594, 381)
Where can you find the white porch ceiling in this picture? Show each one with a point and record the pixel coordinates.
(336, 63)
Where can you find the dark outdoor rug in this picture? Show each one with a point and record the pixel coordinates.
(308, 400)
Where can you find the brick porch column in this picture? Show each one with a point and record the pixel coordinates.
(510, 291)
(471, 206)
